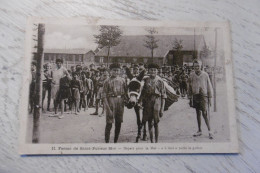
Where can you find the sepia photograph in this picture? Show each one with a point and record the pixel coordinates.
(95, 86)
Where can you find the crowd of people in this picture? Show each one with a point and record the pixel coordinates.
(79, 88)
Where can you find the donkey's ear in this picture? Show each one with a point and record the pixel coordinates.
(128, 73)
(141, 75)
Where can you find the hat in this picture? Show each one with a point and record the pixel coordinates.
(136, 66)
(59, 60)
(153, 66)
(114, 65)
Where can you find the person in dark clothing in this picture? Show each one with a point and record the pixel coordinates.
(75, 90)
(64, 93)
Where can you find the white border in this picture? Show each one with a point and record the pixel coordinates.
(128, 148)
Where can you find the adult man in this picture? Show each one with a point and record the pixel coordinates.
(153, 96)
(201, 92)
(58, 72)
(114, 91)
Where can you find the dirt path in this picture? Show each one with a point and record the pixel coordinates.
(177, 125)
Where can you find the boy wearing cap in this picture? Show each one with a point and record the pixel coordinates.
(114, 91)
(153, 96)
(201, 92)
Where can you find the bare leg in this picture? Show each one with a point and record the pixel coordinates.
(198, 119)
(117, 131)
(62, 109)
(156, 132)
(150, 126)
(204, 114)
(107, 132)
(198, 133)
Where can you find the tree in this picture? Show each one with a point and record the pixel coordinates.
(109, 37)
(150, 41)
(177, 47)
(205, 52)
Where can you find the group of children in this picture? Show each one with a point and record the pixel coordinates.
(80, 88)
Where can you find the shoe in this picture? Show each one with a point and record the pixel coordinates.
(101, 115)
(198, 133)
(95, 113)
(144, 138)
(53, 115)
(210, 135)
(76, 113)
(61, 116)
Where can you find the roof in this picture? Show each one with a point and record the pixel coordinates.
(133, 46)
(67, 51)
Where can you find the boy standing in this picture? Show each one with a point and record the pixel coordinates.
(201, 92)
(153, 96)
(114, 92)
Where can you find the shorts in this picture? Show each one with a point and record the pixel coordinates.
(199, 102)
(116, 105)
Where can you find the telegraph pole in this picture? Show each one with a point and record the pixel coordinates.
(214, 72)
(38, 86)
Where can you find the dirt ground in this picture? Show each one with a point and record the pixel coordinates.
(178, 124)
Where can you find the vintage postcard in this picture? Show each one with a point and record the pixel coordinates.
(96, 86)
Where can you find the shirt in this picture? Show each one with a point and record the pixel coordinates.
(153, 87)
(57, 74)
(114, 86)
(202, 82)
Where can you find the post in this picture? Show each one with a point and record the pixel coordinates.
(108, 51)
(214, 80)
(38, 85)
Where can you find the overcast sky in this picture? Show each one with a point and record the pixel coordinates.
(81, 36)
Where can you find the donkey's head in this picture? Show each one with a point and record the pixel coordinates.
(134, 88)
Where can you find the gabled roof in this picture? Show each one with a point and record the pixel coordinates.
(133, 46)
(67, 51)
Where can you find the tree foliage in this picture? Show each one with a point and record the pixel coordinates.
(109, 36)
(205, 53)
(177, 47)
(150, 41)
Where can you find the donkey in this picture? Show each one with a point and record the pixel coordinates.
(134, 91)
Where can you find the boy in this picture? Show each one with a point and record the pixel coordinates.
(114, 92)
(89, 88)
(64, 93)
(75, 90)
(201, 92)
(82, 102)
(153, 96)
(46, 85)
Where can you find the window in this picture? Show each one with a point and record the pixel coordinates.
(46, 57)
(101, 59)
(76, 58)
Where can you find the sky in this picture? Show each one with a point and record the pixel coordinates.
(81, 36)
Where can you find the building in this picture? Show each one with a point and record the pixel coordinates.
(131, 49)
(71, 57)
